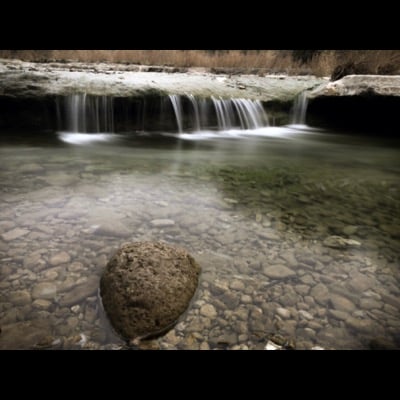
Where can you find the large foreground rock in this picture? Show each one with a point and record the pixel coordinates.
(146, 286)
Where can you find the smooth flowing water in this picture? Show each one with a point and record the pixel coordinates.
(257, 209)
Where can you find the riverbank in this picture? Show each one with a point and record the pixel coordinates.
(26, 80)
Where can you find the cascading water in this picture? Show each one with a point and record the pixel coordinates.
(81, 113)
(227, 113)
(299, 109)
(86, 114)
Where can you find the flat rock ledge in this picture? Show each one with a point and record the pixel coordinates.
(146, 286)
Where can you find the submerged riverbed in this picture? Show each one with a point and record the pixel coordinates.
(261, 211)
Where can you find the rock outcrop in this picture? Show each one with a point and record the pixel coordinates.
(366, 103)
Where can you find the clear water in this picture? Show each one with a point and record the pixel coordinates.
(253, 207)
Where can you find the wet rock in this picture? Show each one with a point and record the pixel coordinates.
(60, 258)
(34, 261)
(14, 234)
(44, 290)
(338, 242)
(79, 293)
(360, 282)
(290, 259)
(20, 297)
(339, 315)
(208, 310)
(392, 300)
(303, 290)
(283, 312)
(246, 299)
(24, 335)
(370, 304)
(146, 287)
(269, 235)
(113, 228)
(41, 304)
(230, 299)
(224, 340)
(237, 285)
(341, 303)
(320, 293)
(305, 315)
(362, 325)
(278, 271)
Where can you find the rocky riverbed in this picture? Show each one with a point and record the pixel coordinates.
(294, 248)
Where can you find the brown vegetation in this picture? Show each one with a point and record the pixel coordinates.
(313, 62)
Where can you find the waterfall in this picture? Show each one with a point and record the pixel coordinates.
(177, 105)
(195, 105)
(83, 113)
(228, 113)
(299, 109)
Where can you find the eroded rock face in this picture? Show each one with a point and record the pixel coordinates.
(146, 286)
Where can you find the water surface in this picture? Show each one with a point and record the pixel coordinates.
(255, 209)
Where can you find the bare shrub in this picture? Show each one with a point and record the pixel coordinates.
(321, 63)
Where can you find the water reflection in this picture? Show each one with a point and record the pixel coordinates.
(255, 212)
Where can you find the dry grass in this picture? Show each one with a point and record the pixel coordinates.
(255, 61)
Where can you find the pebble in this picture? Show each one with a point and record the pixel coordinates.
(20, 297)
(283, 312)
(278, 271)
(15, 233)
(341, 303)
(44, 290)
(338, 242)
(208, 310)
(60, 258)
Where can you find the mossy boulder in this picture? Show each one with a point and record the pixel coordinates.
(146, 286)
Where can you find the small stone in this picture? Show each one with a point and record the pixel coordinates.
(60, 258)
(269, 235)
(14, 234)
(272, 346)
(359, 282)
(306, 315)
(44, 290)
(338, 242)
(75, 266)
(278, 271)
(208, 310)
(283, 312)
(339, 315)
(41, 304)
(80, 292)
(320, 293)
(246, 299)
(161, 223)
(341, 303)
(204, 346)
(20, 297)
(75, 309)
(370, 304)
(237, 285)
(363, 325)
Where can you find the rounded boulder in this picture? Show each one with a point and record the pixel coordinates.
(146, 286)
